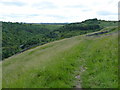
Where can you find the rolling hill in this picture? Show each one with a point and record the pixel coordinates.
(18, 37)
(85, 61)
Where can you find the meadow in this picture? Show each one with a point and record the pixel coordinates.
(77, 62)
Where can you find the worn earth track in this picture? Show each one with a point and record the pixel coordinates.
(82, 69)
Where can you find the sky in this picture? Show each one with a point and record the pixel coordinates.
(57, 11)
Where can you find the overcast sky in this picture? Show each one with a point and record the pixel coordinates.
(37, 11)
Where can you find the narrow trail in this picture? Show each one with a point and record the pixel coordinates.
(78, 77)
(82, 69)
(99, 34)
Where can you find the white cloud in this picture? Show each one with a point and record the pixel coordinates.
(57, 10)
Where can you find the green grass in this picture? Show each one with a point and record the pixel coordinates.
(55, 65)
(101, 63)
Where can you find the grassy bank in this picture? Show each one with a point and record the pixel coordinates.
(56, 64)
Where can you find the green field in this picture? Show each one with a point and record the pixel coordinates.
(80, 61)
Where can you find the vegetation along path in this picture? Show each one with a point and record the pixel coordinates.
(80, 61)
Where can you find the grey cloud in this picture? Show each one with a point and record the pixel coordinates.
(13, 15)
(45, 5)
(106, 13)
(75, 6)
(15, 3)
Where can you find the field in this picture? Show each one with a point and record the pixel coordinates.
(80, 61)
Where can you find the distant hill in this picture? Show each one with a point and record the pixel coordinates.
(79, 28)
(18, 37)
(50, 23)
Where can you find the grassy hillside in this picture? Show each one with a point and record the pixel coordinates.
(18, 37)
(80, 61)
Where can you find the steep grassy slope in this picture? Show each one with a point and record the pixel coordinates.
(56, 64)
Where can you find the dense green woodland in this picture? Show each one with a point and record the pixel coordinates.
(18, 37)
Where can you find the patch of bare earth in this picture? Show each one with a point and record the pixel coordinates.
(78, 77)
